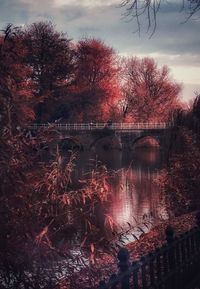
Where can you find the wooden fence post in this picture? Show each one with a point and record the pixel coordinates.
(198, 227)
(171, 256)
(152, 268)
(169, 234)
(135, 275)
(143, 272)
(113, 280)
(170, 241)
(198, 219)
(177, 250)
(102, 285)
(158, 268)
(123, 257)
(198, 237)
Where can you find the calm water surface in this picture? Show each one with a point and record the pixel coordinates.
(136, 200)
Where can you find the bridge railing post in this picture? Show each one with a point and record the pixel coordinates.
(101, 125)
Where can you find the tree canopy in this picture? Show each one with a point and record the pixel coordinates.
(50, 57)
(97, 76)
(149, 92)
(49, 77)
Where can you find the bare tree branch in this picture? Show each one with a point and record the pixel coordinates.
(146, 10)
(137, 9)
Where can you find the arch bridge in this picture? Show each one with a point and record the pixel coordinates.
(104, 134)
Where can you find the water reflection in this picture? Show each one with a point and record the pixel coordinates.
(136, 200)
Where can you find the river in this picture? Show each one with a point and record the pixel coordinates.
(136, 202)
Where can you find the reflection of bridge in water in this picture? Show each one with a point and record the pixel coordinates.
(104, 134)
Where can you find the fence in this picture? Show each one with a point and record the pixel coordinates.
(176, 265)
(99, 126)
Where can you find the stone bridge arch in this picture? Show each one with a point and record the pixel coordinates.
(71, 142)
(107, 142)
(155, 139)
(85, 137)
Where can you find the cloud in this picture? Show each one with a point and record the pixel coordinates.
(178, 60)
(174, 43)
(103, 18)
(87, 3)
(190, 91)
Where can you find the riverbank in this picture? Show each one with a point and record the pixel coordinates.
(107, 265)
(156, 237)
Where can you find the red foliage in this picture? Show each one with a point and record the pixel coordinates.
(15, 86)
(97, 90)
(149, 93)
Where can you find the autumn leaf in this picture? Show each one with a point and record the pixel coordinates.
(40, 236)
(92, 247)
(109, 221)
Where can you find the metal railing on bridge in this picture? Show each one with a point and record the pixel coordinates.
(100, 125)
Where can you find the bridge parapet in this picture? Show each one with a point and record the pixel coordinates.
(99, 126)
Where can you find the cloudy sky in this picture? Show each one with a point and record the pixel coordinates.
(174, 43)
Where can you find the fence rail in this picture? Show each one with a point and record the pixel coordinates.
(176, 265)
(100, 126)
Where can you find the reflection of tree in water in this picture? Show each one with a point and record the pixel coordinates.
(136, 197)
(148, 159)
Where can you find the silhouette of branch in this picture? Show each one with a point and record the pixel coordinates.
(146, 10)
(136, 9)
